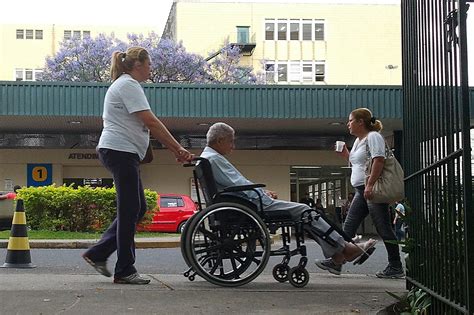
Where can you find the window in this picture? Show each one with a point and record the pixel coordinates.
(93, 182)
(77, 34)
(243, 34)
(307, 30)
(270, 31)
(18, 74)
(282, 31)
(171, 202)
(20, 34)
(270, 72)
(38, 75)
(29, 34)
(307, 72)
(38, 34)
(28, 74)
(282, 72)
(319, 30)
(319, 72)
(295, 72)
(294, 31)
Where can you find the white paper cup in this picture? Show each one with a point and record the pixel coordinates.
(340, 146)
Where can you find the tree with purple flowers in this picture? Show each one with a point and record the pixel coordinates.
(83, 60)
(88, 60)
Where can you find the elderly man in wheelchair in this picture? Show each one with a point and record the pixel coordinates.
(228, 242)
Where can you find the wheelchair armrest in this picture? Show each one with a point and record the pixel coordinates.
(242, 187)
(193, 161)
(252, 187)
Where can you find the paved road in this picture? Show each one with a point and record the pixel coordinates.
(170, 261)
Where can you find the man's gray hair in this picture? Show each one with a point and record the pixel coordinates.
(218, 131)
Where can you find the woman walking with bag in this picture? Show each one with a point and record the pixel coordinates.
(368, 146)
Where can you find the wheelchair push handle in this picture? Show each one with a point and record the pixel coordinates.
(193, 162)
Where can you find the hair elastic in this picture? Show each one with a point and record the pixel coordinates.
(373, 119)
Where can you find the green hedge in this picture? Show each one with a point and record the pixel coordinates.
(82, 209)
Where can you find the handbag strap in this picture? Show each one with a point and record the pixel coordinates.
(388, 151)
(388, 154)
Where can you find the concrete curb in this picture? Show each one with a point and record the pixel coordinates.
(72, 244)
(174, 242)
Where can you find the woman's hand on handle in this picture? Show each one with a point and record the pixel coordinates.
(183, 155)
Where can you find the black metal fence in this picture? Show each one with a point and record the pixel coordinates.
(437, 148)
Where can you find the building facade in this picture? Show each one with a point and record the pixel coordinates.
(332, 43)
(24, 48)
(325, 45)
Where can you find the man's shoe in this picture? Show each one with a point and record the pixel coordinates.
(329, 265)
(99, 266)
(391, 273)
(134, 278)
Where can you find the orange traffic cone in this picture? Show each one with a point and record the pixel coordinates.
(18, 251)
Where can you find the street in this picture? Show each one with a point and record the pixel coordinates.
(170, 261)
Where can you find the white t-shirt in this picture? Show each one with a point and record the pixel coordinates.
(122, 130)
(358, 155)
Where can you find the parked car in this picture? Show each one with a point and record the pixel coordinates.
(7, 208)
(175, 210)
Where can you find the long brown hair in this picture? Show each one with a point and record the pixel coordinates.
(370, 122)
(123, 62)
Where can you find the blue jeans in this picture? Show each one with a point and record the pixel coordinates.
(380, 215)
(131, 206)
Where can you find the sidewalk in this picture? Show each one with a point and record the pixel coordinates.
(29, 292)
(33, 291)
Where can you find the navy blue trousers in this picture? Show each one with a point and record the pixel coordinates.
(131, 206)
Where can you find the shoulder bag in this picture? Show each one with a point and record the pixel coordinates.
(389, 187)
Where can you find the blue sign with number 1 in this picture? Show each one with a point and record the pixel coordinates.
(39, 175)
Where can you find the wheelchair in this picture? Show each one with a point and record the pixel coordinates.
(228, 242)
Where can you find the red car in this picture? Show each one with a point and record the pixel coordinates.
(175, 210)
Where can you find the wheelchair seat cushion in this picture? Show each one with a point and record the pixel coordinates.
(276, 216)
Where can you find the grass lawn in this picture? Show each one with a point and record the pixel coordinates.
(63, 235)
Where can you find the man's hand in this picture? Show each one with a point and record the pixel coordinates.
(271, 194)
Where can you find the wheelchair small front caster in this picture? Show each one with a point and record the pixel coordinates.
(191, 278)
(280, 272)
(298, 277)
(186, 274)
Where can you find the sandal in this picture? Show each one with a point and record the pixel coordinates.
(367, 250)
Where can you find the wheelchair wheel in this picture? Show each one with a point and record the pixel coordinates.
(280, 272)
(227, 244)
(183, 239)
(298, 277)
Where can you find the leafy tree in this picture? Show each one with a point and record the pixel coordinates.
(88, 60)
